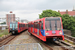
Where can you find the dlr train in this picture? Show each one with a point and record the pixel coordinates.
(47, 28)
(17, 27)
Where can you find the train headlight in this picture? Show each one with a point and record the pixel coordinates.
(60, 33)
(47, 33)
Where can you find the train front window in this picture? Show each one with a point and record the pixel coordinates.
(10, 25)
(52, 24)
(13, 25)
(16, 25)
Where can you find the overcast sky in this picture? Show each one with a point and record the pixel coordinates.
(30, 9)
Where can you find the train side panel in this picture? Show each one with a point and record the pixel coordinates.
(38, 28)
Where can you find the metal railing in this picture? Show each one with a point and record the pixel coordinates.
(29, 46)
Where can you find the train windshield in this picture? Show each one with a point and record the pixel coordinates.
(10, 25)
(13, 25)
(52, 24)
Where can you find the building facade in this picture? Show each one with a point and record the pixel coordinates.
(70, 13)
(10, 18)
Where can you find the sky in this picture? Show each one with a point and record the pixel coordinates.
(30, 9)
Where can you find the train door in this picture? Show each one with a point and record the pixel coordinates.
(38, 28)
(41, 30)
(33, 27)
(30, 27)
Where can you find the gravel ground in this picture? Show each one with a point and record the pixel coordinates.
(25, 37)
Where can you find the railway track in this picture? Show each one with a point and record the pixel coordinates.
(58, 45)
(51, 45)
(72, 39)
(6, 40)
(65, 45)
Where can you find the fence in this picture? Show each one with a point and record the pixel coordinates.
(29, 46)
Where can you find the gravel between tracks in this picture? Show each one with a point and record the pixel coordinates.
(23, 38)
(26, 38)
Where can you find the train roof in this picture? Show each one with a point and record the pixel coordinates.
(19, 22)
(42, 19)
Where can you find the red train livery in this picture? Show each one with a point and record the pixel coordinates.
(17, 27)
(47, 28)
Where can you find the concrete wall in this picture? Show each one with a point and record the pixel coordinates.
(68, 32)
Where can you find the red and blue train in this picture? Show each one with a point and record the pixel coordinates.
(47, 28)
(17, 27)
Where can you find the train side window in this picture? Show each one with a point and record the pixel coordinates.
(19, 25)
(42, 25)
(24, 25)
(27, 25)
(41, 22)
(30, 24)
(38, 26)
(33, 25)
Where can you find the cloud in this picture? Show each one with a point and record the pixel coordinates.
(28, 14)
(29, 9)
(7, 5)
(56, 4)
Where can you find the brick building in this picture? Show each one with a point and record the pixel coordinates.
(71, 13)
(10, 18)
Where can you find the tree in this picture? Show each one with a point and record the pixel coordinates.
(49, 13)
(3, 23)
(68, 23)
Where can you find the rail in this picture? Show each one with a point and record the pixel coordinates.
(70, 38)
(6, 40)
